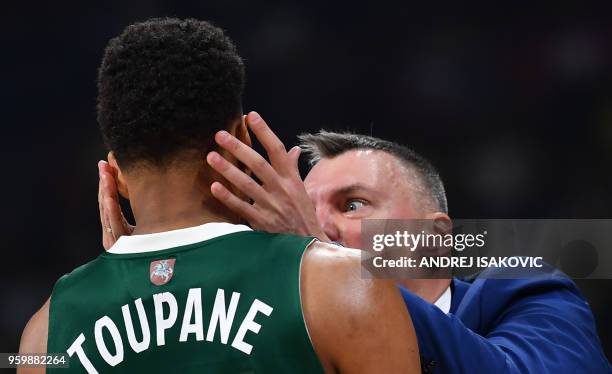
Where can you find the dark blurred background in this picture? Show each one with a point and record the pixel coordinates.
(513, 104)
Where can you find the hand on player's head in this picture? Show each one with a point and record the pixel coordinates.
(280, 201)
(114, 224)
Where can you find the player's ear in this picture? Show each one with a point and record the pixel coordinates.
(122, 187)
(242, 132)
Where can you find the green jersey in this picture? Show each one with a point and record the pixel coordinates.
(217, 298)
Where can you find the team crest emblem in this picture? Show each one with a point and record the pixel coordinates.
(161, 271)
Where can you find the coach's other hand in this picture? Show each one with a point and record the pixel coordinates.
(112, 220)
(281, 203)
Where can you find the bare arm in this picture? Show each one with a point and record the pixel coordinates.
(356, 325)
(34, 337)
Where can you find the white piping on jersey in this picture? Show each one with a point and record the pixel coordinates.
(174, 238)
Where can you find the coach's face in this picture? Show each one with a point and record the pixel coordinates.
(361, 184)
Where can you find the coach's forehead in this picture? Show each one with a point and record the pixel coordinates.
(374, 169)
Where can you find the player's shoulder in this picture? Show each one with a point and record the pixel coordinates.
(334, 274)
(74, 277)
(333, 254)
(264, 240)
(344, 310)
(334, 260)
(84, 270)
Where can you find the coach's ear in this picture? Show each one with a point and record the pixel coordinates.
(442, 223)
(118, 175)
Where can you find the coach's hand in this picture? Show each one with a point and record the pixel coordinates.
(281, 203)
(112, 220)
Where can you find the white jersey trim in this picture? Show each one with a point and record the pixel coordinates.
(174, 238)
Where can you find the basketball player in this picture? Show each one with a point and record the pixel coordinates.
(191, 290)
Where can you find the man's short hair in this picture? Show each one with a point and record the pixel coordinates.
(327, 144)
(165, 87)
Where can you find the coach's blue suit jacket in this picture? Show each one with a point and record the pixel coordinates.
(537, 325)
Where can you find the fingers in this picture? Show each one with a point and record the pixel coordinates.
(112, 209)
(111, 216)
(107, 238)
(235, 176)
(279, 158)
(100, 207)
(110, 189)
(268, 139)
(235, 204)
(248, 156)
(294, 157)
(115, 218)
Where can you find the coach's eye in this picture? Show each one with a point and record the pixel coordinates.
(352, 205)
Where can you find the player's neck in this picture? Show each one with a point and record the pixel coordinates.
(170, 203)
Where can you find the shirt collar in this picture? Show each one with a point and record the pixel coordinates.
(444, 301)
(174, 238)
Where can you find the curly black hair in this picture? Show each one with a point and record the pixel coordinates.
(166, 86)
